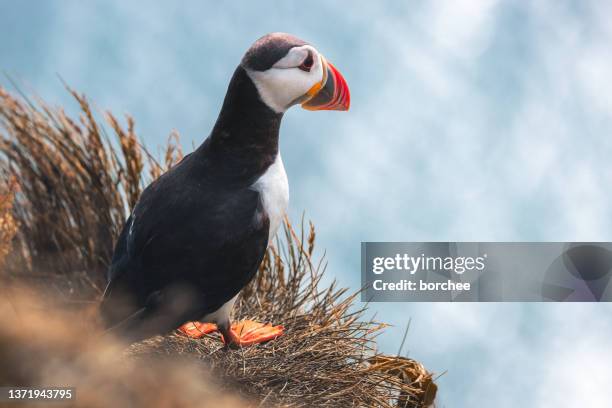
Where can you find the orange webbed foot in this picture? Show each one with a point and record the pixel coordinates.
(196, 330)
(248, 332)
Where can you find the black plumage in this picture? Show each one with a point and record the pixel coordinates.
(265, 53)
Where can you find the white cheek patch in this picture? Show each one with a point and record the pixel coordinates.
(284, 83)
(294, 57)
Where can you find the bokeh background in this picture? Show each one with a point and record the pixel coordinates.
(470, 120)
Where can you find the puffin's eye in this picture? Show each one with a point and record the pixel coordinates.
(307, 63)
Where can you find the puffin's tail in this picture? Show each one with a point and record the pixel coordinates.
(117, 305)
(163, 312)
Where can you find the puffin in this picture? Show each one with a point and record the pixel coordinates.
(199, 232)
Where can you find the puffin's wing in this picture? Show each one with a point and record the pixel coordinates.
(215, 245)
(185, 234)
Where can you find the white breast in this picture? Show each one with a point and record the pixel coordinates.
(222, 314)
(273, 188)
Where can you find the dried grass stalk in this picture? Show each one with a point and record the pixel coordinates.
(8, 225)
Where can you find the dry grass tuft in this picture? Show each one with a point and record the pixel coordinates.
(75, 192)
(75, 189)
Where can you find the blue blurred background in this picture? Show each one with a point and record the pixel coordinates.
(470, 120)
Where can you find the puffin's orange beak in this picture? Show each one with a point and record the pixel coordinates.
(332, 93)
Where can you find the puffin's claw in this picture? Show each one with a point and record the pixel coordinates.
(248, 332)
(195, 330)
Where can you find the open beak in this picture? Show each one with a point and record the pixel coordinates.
(332, 93)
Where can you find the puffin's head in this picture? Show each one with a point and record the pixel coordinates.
(288, 71)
